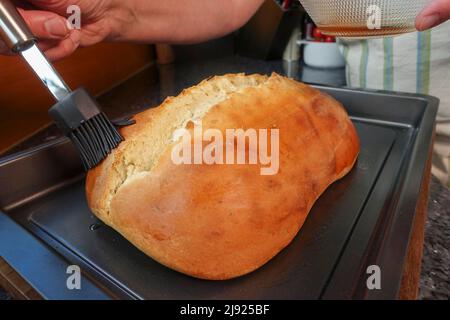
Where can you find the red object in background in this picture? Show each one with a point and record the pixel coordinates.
(317, 34)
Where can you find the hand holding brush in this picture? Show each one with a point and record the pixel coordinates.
(76, 113)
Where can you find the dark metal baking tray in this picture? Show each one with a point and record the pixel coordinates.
(361, 220)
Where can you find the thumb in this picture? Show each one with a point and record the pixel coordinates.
(434, 14)
(45, 24)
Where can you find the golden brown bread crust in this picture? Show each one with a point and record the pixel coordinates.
(223, 221)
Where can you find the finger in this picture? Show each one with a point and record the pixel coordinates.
(45, 24)
(64, 47)
(46, 45)
(434, 14)
(58, 6)
(4, 50)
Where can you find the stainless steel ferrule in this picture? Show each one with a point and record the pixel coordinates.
(13, 29)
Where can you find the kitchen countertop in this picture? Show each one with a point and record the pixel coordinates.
(435, 275)
(141, 92)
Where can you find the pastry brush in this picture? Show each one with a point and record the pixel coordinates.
(76, 113)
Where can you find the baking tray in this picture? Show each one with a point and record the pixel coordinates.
(361, 220)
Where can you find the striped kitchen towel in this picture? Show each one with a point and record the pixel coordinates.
(416, 62)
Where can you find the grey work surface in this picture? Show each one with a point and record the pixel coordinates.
(434, 282)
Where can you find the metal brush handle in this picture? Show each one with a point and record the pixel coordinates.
(13, 28)
(15, 33)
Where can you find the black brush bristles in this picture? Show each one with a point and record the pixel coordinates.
(95, 139)
(79, 117)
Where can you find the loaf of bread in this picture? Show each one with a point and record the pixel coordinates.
(222, 220)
